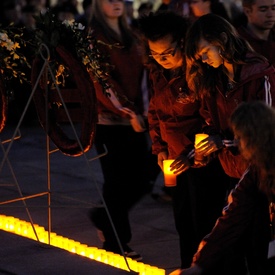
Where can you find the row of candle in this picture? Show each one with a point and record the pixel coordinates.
(36, 232)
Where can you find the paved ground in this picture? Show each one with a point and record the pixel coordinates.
(75, 185)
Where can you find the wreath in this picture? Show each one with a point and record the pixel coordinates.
(73, 55)
(12, 64)
(87, 96)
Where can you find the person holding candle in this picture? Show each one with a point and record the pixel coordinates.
(223, 70)
(247, 223)
(174, 119)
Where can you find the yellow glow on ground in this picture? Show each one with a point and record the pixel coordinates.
(38, 233)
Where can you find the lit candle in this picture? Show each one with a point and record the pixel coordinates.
(170, 179)
(198, 139)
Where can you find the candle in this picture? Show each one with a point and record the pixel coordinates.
(170, 179)
(198, 139)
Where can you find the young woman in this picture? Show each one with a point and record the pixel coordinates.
(223, 72)
(174, 120)
(246, 223)
(120, 125)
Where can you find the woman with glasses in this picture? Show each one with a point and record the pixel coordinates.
(174, 120)
(120, 126)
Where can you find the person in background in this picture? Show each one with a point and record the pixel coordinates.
(174, 119)
(144, 9)
(65, 11)
(121, 127)
(202, 7)
(10, 13)
(247, 223)
(85, 17)
(259, 29)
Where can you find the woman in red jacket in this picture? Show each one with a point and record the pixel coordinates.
(120, 125)
(224, 71)
(174, 120)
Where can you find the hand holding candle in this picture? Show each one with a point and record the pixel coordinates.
(170, 179)
(199, 159)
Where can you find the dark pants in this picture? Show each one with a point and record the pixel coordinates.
(125, 180)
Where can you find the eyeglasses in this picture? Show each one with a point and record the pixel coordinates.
(165, 55)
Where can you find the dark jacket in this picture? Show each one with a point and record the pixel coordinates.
(264, 47)
(173, 116)
(244, 227)
(252, 81)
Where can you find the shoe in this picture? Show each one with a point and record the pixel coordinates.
(176, 272)
(130, 253)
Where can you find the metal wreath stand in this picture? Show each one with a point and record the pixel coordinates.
(15, 136)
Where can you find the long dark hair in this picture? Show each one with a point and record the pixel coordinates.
(211, 28)
(254, 123)
(98, 19)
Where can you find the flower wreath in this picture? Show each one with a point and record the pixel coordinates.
(12, 63)
(73, 53)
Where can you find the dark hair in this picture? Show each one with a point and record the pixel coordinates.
(158, 25)
(254, 122)
(248, 3)
(99, 19)
(212, 28)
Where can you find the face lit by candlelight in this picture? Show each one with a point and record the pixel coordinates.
(209, 53)
(166, 52)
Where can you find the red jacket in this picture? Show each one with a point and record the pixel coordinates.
(243, 228)
(264, 47)
(173, 120)
(253, 79)
(125, 77)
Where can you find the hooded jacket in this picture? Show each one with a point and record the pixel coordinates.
(255, 80)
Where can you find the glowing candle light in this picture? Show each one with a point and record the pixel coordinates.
(198, 139)
(170, 179)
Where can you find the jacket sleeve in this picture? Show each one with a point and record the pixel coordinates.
(158, 145)
(233, 226)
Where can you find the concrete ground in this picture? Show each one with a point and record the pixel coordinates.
(75, 185)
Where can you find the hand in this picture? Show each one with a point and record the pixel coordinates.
(162, 156)
(194, 270)
(137, 121)
(209, 145)
(180, 164)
